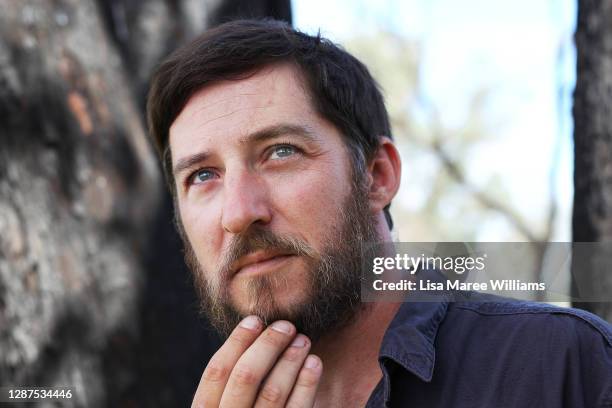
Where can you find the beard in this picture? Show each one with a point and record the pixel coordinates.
(333, 284)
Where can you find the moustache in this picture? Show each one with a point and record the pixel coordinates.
(259, 238)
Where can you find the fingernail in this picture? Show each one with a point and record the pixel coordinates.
(281, 326)
(299, 341)
(250, 322)
(311, 362)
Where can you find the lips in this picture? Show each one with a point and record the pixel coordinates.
(259, 261)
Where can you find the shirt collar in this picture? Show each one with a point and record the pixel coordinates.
(409, 339)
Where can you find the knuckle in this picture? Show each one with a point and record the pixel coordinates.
(202, 403)
(240, 338)
(245, 376)
(215, 372)
(293, 354)
(307, 379)
(203, 399)
(271, 393)
(273, 339)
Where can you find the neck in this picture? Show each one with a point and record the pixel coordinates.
(353, 350)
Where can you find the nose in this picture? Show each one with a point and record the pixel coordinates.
(245, 202)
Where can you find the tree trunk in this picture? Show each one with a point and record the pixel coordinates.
(93, 290)
(592, 217)
(78, 186)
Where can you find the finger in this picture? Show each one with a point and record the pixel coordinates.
(255, 364)
(218, 369)
(277, 386)
(305, 389)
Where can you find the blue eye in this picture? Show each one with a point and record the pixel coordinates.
(280, 152)
(201, 176)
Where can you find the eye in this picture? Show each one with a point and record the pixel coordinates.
(282, 151)
(201, 176)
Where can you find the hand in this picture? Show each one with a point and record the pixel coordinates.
(261, 368)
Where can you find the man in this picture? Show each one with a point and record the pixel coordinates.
(278, 151)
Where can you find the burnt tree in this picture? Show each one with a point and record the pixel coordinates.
(592, 216)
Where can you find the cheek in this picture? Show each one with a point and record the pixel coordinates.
(312, 204)
(200, 231)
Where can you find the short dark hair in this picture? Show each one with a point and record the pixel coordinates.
(340, 86)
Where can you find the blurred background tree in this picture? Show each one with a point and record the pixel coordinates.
(446, 203)
(592, 217)
(453, 204)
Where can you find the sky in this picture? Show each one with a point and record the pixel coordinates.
(521, 50)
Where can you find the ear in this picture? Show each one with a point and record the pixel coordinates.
(384, 173)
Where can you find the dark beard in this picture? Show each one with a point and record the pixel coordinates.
(334, 274)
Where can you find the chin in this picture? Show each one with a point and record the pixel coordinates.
(270, 303)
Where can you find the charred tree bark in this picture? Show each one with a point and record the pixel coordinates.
(232, 9)
(592, 217)
(93, 289)
(78, 186)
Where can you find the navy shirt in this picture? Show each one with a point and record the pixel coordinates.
(494, 354)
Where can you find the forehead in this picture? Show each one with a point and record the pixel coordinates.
(236, 108)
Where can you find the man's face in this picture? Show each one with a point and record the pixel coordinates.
(273, 219)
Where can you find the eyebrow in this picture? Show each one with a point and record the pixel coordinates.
(271, 132)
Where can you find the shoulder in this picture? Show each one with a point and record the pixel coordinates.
(554, 351)
(575, 324)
